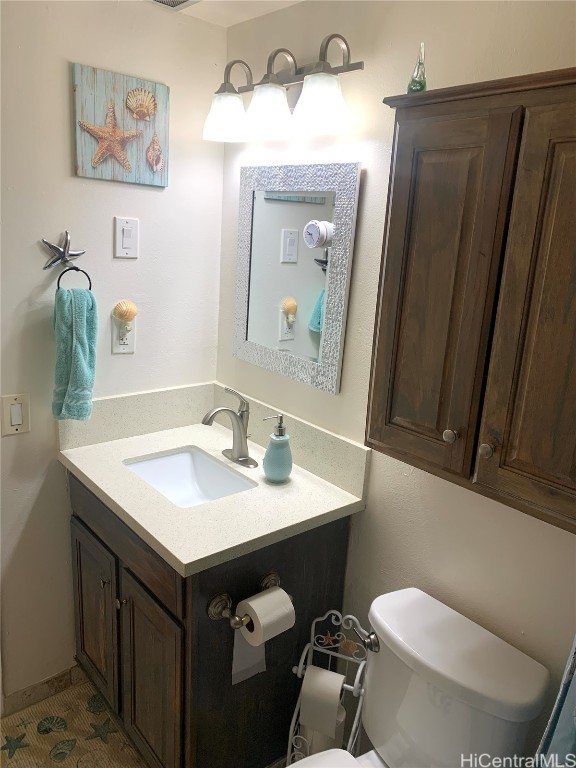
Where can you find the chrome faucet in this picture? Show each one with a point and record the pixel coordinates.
(239, 451)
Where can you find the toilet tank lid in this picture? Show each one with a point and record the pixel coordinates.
(462, 658)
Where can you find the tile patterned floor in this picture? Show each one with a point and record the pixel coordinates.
(73, 728)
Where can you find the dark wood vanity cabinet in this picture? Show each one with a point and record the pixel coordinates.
(144, 638)
(474, 365)
(152, 646)
(119, 620)
(95, 587)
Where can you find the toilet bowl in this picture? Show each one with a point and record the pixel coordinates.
(440, 688)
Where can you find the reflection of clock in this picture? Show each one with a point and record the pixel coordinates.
(318, 233)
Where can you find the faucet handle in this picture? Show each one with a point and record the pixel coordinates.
(244, 404)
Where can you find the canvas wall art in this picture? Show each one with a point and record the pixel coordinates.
(121, 127)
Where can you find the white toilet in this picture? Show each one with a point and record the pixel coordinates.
(439, 688)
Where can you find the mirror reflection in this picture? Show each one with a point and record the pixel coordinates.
(289, 263)
(295, 245)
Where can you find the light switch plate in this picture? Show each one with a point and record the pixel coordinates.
(14, 400)
(289, 246)
(126, 237)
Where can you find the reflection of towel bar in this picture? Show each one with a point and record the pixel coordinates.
(323, 262)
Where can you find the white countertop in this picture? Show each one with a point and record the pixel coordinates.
(195, 538)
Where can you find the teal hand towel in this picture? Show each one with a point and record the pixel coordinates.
(76, 329)
(317, 317)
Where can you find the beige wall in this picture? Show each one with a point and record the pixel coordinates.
(174, 283)
(512, 573)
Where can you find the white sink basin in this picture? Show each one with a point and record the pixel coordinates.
(188, 476)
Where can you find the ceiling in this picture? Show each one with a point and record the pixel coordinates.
(226, 13)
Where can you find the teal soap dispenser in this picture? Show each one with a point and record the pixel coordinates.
(278, 457)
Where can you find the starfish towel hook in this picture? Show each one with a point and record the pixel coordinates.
(63, 253)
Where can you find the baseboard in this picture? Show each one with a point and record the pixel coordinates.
(19, 700)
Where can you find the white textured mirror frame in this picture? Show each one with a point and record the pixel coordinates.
(343, 179)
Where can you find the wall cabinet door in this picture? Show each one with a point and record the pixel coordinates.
(529, 417)
(151, 675)
(95, 582)
(448, 202)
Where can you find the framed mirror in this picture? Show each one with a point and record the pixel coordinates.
(295, 246)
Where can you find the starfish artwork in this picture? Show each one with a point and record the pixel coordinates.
(13, 744)
(102, 731)
(121, 127)
(111, 139)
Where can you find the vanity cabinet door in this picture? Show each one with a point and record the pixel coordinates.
(94, 569)
(448, 199)
(528, 430)
(152, 675)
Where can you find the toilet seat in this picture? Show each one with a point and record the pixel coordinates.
(332, 758)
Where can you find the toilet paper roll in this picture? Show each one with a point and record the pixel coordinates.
(320, 702)
(271, 612)
(319, 742)
(247, 660)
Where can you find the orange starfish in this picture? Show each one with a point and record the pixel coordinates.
(328, 639)
(111, 140)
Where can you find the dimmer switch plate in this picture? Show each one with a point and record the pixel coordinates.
(15, 414)
(126, 236)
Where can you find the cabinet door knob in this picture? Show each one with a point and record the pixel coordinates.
(486, 451)
(120, 603)
(449, 436)
(103, 583)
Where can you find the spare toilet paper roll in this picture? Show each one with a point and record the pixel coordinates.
(320, 702)
(319, 742)
(271, 612)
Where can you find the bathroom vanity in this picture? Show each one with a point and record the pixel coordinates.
(145, 571)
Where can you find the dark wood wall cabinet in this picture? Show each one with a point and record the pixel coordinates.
(474, 362)
(144, 638)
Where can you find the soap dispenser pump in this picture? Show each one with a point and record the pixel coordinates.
(278, 457)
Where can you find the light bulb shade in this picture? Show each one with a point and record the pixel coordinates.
(226, 120)
(321, 109)
(268, 116)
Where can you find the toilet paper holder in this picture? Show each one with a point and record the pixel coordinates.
(220, 607)
(332, 647)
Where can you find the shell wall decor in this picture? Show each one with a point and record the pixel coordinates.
(141, 103)
(121, 125)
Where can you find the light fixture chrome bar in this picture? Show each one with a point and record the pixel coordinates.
(297, 74)
(227, 87)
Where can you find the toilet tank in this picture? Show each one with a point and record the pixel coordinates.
(442, 688)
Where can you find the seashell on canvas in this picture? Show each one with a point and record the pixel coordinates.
(154, 155)
(142, 103)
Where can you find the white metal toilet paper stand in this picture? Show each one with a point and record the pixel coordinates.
(344, 654)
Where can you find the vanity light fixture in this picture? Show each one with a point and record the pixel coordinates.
(320, 110)
(227, 120)
(268, 116)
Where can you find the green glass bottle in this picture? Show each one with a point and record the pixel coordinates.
(418, 79)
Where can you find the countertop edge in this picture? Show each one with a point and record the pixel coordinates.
(214, 558)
